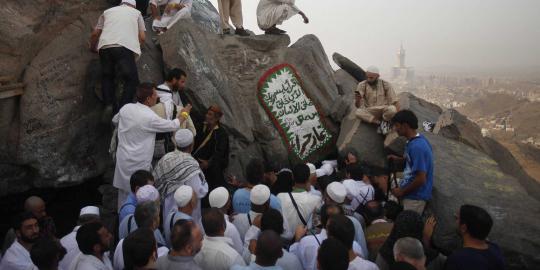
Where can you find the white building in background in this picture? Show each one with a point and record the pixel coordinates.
(400, 72)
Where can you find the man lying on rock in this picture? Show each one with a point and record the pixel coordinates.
(377, 103)
(172, 11)
(274, 12)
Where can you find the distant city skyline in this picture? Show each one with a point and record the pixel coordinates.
(445, 34)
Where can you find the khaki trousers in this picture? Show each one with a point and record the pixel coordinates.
(369, 115)
(380, 113)
(230, 9)
(414, 205)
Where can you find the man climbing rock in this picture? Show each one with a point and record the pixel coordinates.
(118, 36)
(377, 103)
(274, 12)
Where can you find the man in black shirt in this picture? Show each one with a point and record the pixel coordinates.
(474, 225)
(212, 148)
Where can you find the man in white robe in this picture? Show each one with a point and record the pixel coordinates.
(137, 128)
(274, 12)
(17, 256)
(174, 10)
(86, 215)
(180, 168)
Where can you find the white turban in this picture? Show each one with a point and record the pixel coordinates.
(183, 138)
(373, 69)
(260, 194)
(131, 2)
(147, 193)
(183, 195)
(89, 210)
(218, 197)
(336, 191)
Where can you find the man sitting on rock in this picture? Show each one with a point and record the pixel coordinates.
(377, 103)
(173, 10)
(274, 12)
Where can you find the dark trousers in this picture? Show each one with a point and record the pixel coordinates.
(142, 6)
(122, 61)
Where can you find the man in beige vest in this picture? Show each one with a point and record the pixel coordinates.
(117, 36)
(231, 9)
(376, 103)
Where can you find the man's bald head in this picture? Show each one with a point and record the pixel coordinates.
(269, 248)
(36, 205)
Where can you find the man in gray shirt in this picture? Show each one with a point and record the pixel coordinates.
(186, 241)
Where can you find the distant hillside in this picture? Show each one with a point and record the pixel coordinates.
(525, 114)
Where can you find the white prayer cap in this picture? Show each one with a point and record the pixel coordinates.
(312, 168)
(352, 187)
(183, 195)
(218, 197)
(260, 194)
(183, 138)
(336, 191)
(373, 69)
(147, 193)
(89, 210)
(131, 2)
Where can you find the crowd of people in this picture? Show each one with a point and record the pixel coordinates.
(177, 210)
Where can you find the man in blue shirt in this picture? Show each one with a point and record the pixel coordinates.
(415, 188)
(138, 179)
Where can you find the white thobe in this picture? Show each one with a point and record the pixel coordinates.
(69, 242)
(90, 262)
(217, 253)
(232, 232)
(366, 193)
(306, 250)
(168, 19)
(272, 12)
(137, 128)
(359, 235)
(174, 96)
(327, 168)
(17, 258)
(307, 203)
(118, 258)
(361, 264)
(243, 224)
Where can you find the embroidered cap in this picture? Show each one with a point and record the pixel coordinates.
(260, 194)
(183, 195)
(218, 197)
(147, 193)
(89, 210)
(183, 138)
(336, 191)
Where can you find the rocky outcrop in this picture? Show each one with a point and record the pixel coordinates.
(465, 174)
(225, 70)
(349, 66)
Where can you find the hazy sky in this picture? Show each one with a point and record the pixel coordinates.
(460, 33)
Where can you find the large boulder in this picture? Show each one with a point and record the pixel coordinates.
(467, 175)
(225, 70)
(56, 133)
(349, 66)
